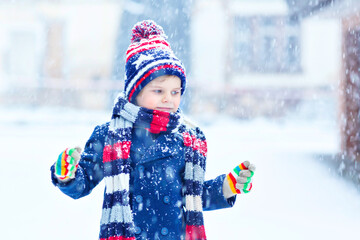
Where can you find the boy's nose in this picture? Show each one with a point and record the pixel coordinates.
(165, 98)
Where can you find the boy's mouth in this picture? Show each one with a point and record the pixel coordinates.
(164, 109)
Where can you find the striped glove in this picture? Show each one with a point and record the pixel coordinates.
(239, 180)
(67, 163)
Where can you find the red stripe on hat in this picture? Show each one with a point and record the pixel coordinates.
(155, 41)
(159, 122)
(150, 72)
(145, 49)
(133, 47)
(194, 232)
(120, 150)
(152, 39)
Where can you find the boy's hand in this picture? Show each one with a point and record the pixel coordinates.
(239, 180)
(67, 163)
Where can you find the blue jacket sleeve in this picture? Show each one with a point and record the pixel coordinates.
(90, 170)
(213, 197)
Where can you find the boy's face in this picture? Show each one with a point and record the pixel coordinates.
(163, 94)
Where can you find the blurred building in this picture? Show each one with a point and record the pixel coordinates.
(58, 53)
(348, 14)
(243, 58)
(71, 53)
(252, 59)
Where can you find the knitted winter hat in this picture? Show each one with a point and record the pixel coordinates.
(149, 56)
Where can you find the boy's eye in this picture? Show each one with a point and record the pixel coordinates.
(157, 91)
(175, 92)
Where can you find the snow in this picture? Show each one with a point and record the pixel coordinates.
(295, 195)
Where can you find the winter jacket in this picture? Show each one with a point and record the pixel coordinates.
(156, 182)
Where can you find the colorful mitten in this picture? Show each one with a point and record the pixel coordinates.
(67, 163)
(239, 180)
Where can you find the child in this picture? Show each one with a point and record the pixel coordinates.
(151, 159)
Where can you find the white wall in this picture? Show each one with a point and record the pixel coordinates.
(90, 35)
(89, 32)
(21, 44)
(321, 50)
(208, 43)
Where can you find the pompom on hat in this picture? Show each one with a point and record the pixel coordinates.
(149, 56)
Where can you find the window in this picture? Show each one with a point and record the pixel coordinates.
(266, 44)
(243, 46)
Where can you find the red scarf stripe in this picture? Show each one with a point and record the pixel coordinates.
(195, 143)
(118, 238)
(150, 72)
(120, 150)
(194, 232)
(159, 121)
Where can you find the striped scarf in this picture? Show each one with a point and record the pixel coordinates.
(117, 218)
